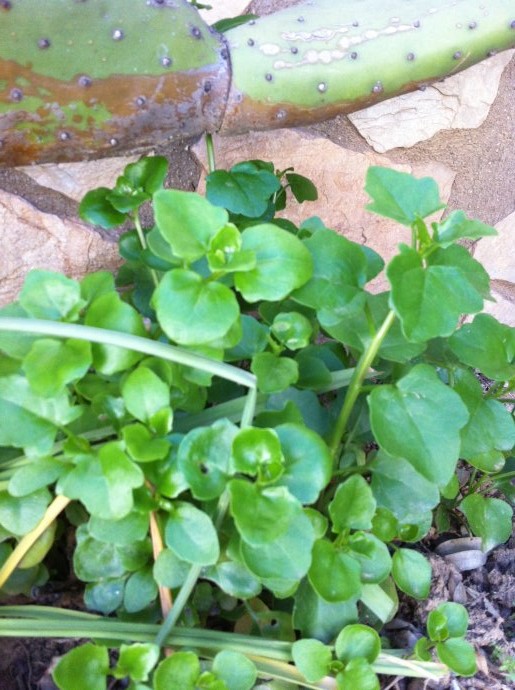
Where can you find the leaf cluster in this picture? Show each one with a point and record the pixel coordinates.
(287, 433)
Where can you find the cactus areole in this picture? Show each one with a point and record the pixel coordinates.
(83, 79)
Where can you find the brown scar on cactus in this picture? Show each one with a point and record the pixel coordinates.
(87, 80)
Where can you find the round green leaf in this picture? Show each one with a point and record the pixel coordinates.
(104, 484)
(353, 505)
(312, 658)
(204, 459)
(315, 617)
(83, 668)
(95, 208)
(169, 570)
(94, 560)
(274, 373)
(456, 619)
(145, 394)
(20, 515)
(385, 525)
(191, 535)
(412, 573)
(192, 311)
(372, 555)
(52, 364)
(334, 574)
(245, 189)
(141, 445)
(287, 557)
(458, 655)
(489, 518)
(178, 672)
(262, 514)
(187, 221)
(357, 674)
(108, 311)
(422, 649)
(307, 462)
(104, 596)
(234, 578)
(399, 488)
(140, 590)
(237, 672)
(136, 660)
(292, 329)
(258, 451)
(49, 295)
(283, 264)
(357, 642)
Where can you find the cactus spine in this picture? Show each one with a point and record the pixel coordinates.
(85, 79)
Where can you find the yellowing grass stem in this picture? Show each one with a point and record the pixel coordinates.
(54, 509)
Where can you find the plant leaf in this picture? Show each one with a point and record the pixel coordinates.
(353, 505)
(192, 311)
(419, 418)
(487, 345)
(489, 518)
(357, 641)
(312, 658)
(187, 221)
(458, 655)
(93, 662)
(412, 573)
(401, 196)
(429, 300)
(235, 669)
(191, 535)
(177, 672)
(334, 575)
(283, 264)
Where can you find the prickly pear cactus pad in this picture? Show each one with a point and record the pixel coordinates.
(83, 79)
(90, 78)
(313, 61)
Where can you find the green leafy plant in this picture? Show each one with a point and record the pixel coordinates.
(248, 442)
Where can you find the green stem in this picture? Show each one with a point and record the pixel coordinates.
(137, 343)
(360, 373)
(211, 164)
(143, 242)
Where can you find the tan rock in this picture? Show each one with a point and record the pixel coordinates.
(497, 256)
(221, 9)
(31, 238)
(339, 175)
(460, 102)
(75, 179)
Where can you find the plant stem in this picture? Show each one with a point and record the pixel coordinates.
(143, 242)
(165, 594)
(137, 343)
(360, 373)
(211, 164)
(180, 602)
(54, 509)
